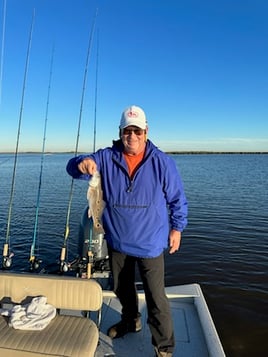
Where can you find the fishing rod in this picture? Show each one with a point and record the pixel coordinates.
(34, 262)
(90, 253)
(63, 264)
(96, 95)
(2, 48)
(7, 255)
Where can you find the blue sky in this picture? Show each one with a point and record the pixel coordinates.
(199, 69)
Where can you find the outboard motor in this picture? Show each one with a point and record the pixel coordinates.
(95, 243)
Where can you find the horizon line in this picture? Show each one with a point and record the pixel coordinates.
(177, 152)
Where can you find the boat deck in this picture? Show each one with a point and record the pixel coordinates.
(195, 333)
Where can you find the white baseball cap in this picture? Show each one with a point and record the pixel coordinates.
(133, 116)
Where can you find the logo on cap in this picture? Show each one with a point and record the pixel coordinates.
(132, 114)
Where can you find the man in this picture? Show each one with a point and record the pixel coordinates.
(146, 210)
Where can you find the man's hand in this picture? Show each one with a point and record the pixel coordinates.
(174, 241)
(87, 166)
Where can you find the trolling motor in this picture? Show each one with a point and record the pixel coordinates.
(92, 251)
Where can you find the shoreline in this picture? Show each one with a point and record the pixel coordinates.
(173, 152)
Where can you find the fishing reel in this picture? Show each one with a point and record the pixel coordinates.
(35, 264)
(64, 266)
(79, 265)
(7, 261)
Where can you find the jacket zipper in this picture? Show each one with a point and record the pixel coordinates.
(131, 179)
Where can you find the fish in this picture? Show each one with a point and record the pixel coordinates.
(96, 203)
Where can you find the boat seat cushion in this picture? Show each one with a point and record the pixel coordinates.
(64, 336)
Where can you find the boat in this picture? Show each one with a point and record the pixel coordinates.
(194, 329)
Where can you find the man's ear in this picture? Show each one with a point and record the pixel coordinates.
(146, 134)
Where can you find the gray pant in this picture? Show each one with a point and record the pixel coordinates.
(152, 274)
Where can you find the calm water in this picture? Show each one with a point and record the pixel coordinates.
(224, 247)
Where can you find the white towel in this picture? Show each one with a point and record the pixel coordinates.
(34, 316)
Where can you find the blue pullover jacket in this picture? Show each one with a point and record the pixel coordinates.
(140, 210)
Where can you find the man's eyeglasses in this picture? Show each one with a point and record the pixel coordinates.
(135, 131)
